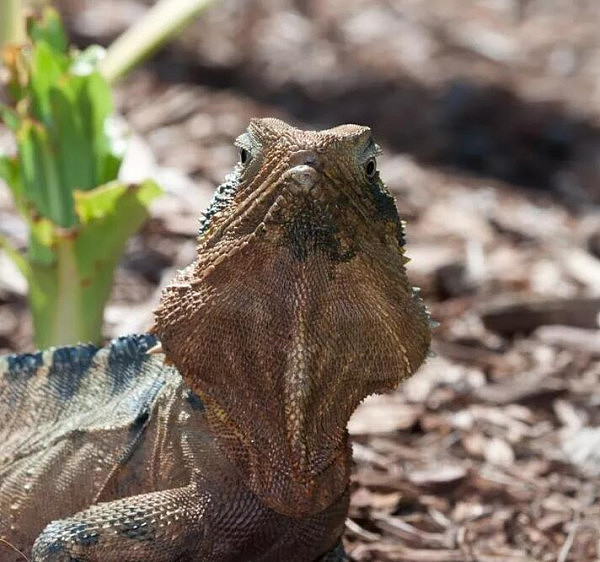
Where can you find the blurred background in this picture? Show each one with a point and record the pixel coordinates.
(489, 115)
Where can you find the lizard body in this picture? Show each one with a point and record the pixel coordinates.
(296, 308)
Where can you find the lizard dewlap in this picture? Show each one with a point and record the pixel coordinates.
(228, 441)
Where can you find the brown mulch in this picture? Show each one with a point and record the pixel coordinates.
(489, 115)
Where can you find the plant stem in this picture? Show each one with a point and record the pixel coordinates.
(160, 24)
(60, 301)
(12, 23)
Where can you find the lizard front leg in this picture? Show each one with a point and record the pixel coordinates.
(156, 526)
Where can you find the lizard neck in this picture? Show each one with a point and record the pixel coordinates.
(297, 478)
(288, 435)
(282, 356)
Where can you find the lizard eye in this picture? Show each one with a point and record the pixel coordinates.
(244, 156)
(370, 168)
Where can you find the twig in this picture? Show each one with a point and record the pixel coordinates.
(566, 547)
(14, 548)
(357, 530)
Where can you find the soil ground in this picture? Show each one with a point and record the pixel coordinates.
(489, 115)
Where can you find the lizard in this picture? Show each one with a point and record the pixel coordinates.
(221, 434)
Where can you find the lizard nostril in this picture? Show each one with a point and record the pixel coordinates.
(304, 177)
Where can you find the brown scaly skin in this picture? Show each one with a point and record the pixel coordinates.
(297, 307)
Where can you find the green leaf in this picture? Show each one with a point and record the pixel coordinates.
(32, 172)
(42, 242)
(46, 68)
(96, 106)
(49, 29)
(109, 215)
(116, 198)
(41, 180)
(10, 172)
(17, 258)
(10, 117)
(70, 138)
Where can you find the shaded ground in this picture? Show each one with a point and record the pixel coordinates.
(489, 114)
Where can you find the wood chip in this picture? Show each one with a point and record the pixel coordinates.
(443, 477)
(523, 316)
(383, 414)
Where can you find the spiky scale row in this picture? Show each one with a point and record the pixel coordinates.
(223, 196)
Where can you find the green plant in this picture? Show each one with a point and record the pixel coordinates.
(64, 182)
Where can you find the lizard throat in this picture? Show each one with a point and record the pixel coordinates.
(282, 350)
(276, 469)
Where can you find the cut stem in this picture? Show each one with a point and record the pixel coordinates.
(160, 24)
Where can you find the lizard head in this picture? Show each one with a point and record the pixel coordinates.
(297, 307)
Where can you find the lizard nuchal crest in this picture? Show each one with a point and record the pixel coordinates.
(297, 308)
